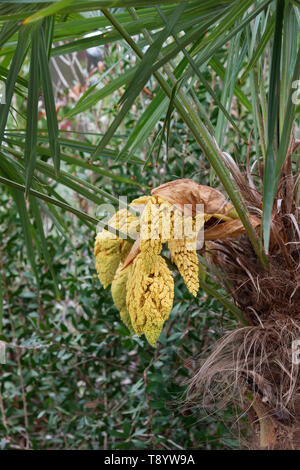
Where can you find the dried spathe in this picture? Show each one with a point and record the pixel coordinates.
(185, 192)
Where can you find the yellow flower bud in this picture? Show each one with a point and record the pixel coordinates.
(118, 291)
(111, 250)
(156, 222)
(187, 264)
(108, 258)
(149, 297)
(140, 202)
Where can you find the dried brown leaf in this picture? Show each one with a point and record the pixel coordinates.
(229, 229)
(185, 191)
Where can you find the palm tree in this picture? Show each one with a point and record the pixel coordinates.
(252, 48)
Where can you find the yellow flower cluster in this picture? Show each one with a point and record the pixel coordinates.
(143, 292)
(118, 291)
(151, 242)
(187, 264)
(109, 249)
(141, 283)
(161, 222)
(149, 297)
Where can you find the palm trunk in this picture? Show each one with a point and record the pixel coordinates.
(255, 361)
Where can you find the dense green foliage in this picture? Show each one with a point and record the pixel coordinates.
(217, 75)
(74, 378)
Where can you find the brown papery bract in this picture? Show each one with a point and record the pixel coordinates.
(187, 192)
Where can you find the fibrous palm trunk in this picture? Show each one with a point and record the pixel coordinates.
(256, 361)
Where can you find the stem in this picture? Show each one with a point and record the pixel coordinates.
(267, 428)
(224, 301)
